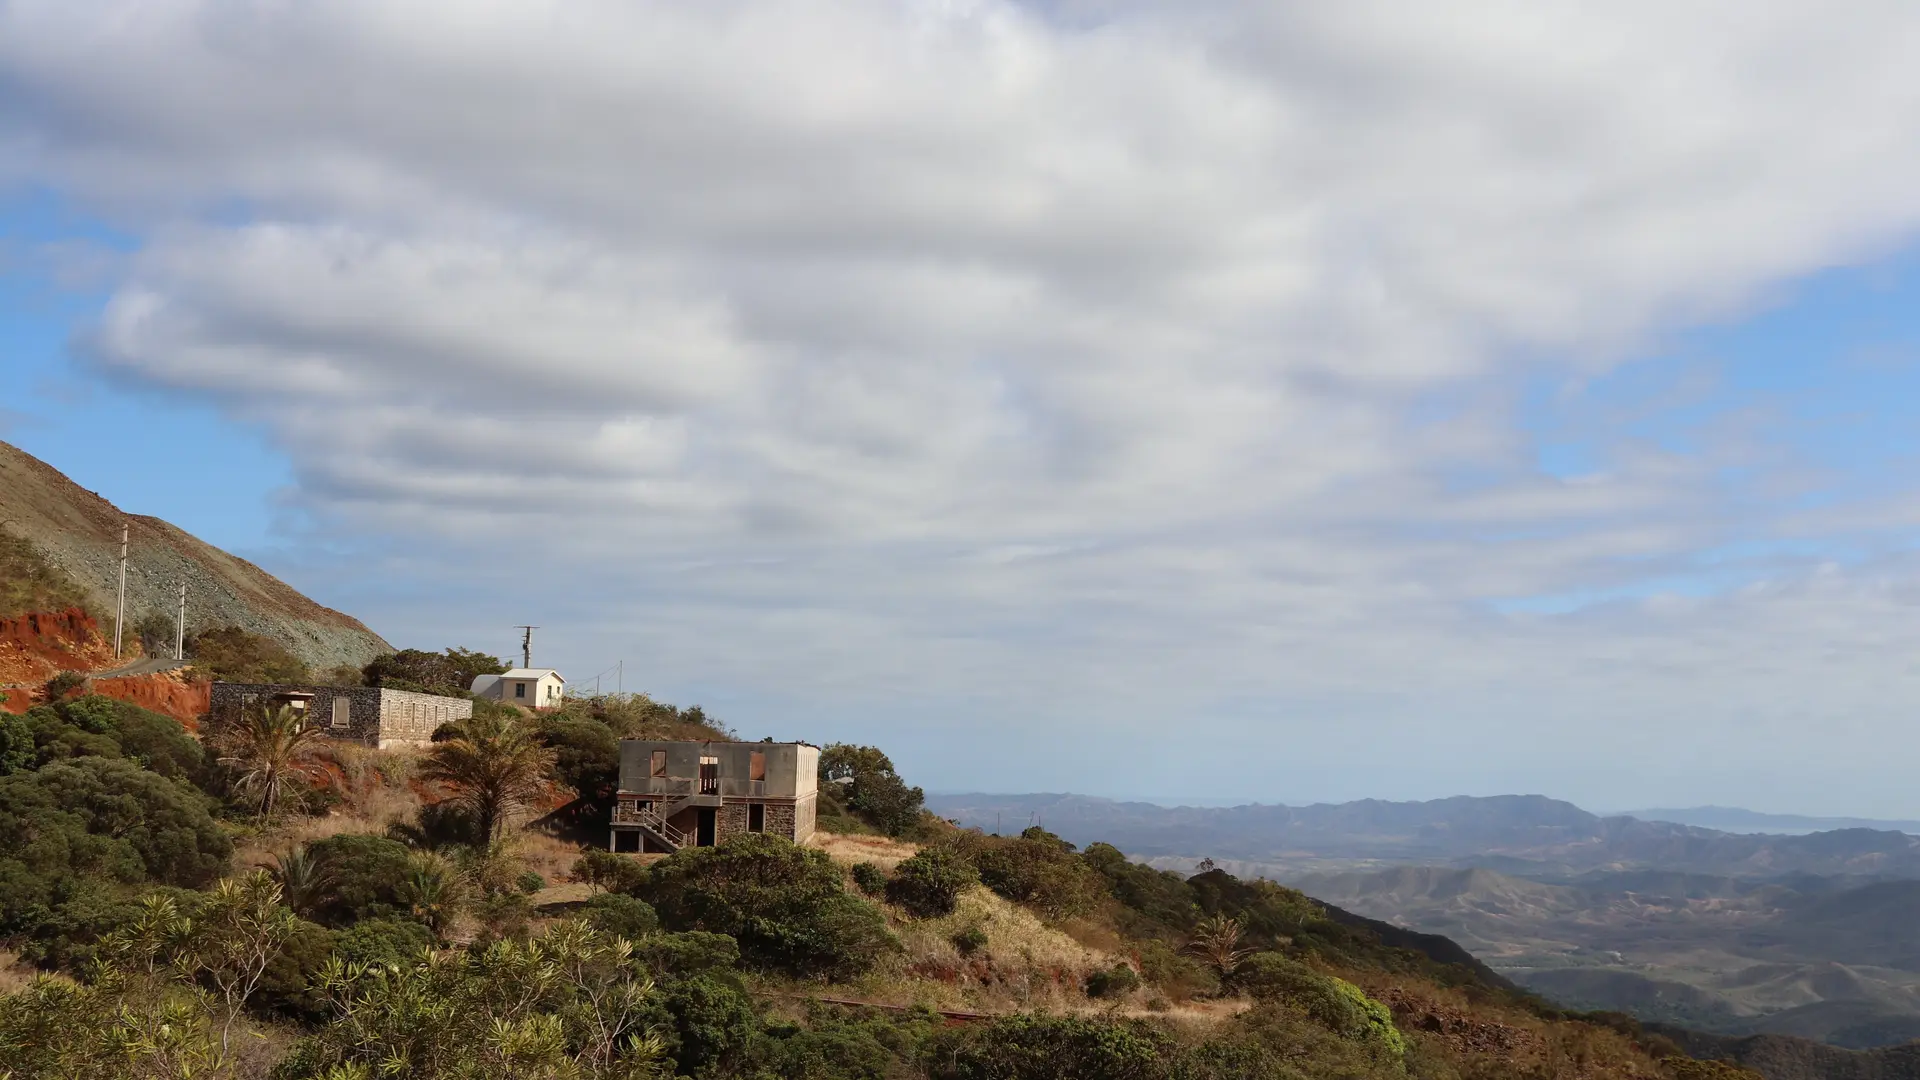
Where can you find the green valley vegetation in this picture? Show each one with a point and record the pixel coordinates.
(397, 914)
(28, 582)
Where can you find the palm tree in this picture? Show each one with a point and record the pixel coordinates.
(495, 765)
(1217, 941)
(264, 747)
(304, 880)
(432, 891)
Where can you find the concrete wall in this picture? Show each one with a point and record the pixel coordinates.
(792, 769)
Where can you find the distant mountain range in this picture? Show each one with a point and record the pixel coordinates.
(1527, 835)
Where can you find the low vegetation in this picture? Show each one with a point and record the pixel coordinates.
(28, 582)
(309, 911)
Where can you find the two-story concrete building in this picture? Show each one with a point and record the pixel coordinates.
(675, 794)
(373, 715)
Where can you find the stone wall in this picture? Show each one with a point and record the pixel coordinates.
(377, 717)
(730, 821)
(780, 819)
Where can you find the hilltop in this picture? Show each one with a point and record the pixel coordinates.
(62, 548)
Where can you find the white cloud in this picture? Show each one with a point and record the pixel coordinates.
(1094, 361)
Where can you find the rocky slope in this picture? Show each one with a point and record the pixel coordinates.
(77, 534)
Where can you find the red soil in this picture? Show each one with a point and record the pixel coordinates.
(40, 644)
(167, 692)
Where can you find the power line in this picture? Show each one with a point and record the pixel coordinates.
(526, 644)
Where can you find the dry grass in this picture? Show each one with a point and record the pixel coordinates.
(16, 976)
(848, 849)
(1024, 964)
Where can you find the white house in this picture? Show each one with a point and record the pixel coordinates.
(536, 688)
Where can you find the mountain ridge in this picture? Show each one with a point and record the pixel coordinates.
(76, 534)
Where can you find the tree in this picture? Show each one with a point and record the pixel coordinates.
(231, 654)
(1216, 940)
(495, 765)
(451, 672)
(877, 795)
(433, 891)
(16, 744)
(304, 880)
(238, 933)
(265, 747)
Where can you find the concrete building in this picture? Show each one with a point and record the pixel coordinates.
(535, 688)
(673, 794)
(372, 715)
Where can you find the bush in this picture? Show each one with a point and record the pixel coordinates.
(450, 673)
(63, 684)
(366, 875)
(1039, 1047)
(784, 904)
(1154, 899)
(1116, 981)
(929, 884)
(969, 941)
(16, 744)
(1335, 1004)
(529, 882)
(231, 654)
(586, 754)
(687, 954)
(869, 878)
(108, 817)
(621, 916)
(609, 871)
(383, 941)
(841, 1044)
(1038, 869)
(712, 1022)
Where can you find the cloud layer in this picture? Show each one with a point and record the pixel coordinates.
(1090, 364)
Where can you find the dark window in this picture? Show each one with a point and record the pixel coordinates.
(756, 818)
(519, 689)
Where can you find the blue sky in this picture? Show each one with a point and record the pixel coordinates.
(1418, 404)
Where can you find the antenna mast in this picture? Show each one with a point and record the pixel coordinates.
(526, 645)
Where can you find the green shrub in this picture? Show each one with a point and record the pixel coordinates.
(1038, 869)
(686, 954)
(287, 985)
(1116, 981)
(231, 654)
(1154, 899)
(713, 1021)
(620, 915)
(365, 874)
(842, 1044)
(1039, 1047)
(929, 884)
(783, 903)
(1335, 1004)
(610, 871)
(586, 754)
(108, 817)
(529, 882)
(869, 878)
(970, 940)
(383, 941)
(16, 744)
(63, 684)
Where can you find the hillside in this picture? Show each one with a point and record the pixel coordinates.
(75, 535)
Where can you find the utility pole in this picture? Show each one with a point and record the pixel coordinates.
(526, 645)
(180, 627)
(120, 613)
(620, 677)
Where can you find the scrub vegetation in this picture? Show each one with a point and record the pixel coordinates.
(290, 908)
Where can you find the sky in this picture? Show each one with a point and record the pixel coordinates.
(1284, 401)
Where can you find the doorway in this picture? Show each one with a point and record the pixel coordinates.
(704, 837)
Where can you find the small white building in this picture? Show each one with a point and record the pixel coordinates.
(535, 688)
